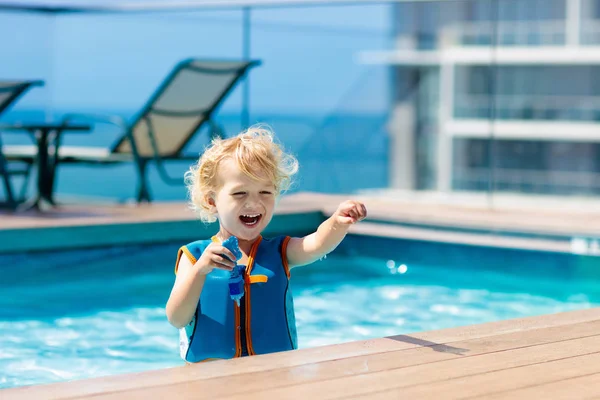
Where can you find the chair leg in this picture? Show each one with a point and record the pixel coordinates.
(11, 201)
(143, 190)
(25, 185)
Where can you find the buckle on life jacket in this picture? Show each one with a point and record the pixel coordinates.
(258, 278)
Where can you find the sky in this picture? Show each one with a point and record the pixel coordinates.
(115, 61)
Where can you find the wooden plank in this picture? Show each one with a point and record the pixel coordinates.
(507, 326)
(481, 375)
(236, 378)
(498, 354)
(581, 388)
(506, 383)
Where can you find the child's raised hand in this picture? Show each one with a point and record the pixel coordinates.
(350, 212)
(213, 257)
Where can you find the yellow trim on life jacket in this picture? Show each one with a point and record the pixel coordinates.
(258, 279)
(190, 256)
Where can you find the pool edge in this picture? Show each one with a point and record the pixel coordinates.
(69, 237)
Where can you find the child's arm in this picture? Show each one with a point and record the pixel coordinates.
(190, 280)
(302, 251)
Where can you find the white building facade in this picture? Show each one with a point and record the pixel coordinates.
(497, 95)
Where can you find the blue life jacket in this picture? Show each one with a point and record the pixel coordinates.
(263, 323)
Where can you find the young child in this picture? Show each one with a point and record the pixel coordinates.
(237, 182)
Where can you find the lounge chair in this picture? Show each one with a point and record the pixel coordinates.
(9, 94)
(184, 102)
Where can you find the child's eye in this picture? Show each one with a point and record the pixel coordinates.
(266, 192)
(238, 193)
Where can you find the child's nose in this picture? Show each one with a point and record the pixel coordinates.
(252, 200)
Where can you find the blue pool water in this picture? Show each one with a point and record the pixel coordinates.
(79, 314)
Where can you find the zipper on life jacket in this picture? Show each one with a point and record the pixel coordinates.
(242, 326)
(242, 318)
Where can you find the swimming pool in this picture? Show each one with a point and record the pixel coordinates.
(78, 314)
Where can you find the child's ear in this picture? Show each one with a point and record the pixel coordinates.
(210, 200)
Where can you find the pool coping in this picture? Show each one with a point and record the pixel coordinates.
(77, 226)
(67, 237)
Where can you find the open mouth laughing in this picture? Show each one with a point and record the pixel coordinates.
(250, 219)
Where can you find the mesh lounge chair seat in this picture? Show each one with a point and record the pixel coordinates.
(184, 102)
(9, 93)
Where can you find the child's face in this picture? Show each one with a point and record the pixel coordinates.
(244, 205)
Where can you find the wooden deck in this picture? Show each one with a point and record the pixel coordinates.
(546, 357)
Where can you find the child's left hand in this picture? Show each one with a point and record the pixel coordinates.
(350, 212)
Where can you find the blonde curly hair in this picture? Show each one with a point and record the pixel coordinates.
(257, 155)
